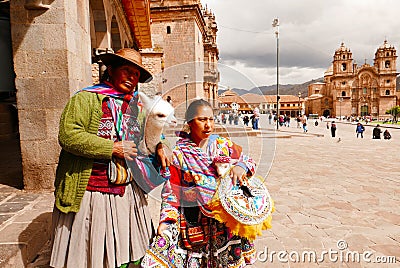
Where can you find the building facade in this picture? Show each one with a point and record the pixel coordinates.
(288, 104)
(184, 55)
(351, 90)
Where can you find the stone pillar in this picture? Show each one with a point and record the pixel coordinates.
(52, 54)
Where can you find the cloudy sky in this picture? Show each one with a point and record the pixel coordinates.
(310, 32)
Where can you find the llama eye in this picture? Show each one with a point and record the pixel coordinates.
(161, 115)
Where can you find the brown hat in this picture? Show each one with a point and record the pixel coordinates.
(127, 55)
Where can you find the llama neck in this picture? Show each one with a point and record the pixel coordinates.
(152, 135)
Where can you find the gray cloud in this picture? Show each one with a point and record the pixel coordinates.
(310, 32)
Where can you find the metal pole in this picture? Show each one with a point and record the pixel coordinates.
(186, 96)
(275, 23)
(186, 89)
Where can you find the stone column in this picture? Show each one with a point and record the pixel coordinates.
(52, 54)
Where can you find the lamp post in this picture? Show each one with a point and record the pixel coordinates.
(340, 108)
(186, 87)
(275, 24)
(299, 102)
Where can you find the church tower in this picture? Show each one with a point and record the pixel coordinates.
(342, 61)
(385, 59)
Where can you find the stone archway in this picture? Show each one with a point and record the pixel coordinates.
(98, 23)
(115, 35)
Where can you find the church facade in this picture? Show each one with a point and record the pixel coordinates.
(351, 90)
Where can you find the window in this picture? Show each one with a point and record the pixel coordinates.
(364, 90)
(344, 66)
(387, 92)
(374, 89)
(387, 64)
(344, 57)
(388, 81)
(168, 29)
(343, 93)
(343, 83)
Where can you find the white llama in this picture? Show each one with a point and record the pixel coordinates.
(159, 113)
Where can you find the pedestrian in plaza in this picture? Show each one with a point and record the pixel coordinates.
(246, 120)
(97, 223)
(270, 119)
(386, 135)
(327, 125)
(305, 129)
(236, 119)
(376, 132)
(360, 130)
(256, 118)
(187, 198)
(230, 118)
(333, 129)
(298, 120)
(281, 120)
(169, 100)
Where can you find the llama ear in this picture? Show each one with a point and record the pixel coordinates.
(144, 99)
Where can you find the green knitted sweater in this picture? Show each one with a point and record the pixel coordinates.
(80, 144)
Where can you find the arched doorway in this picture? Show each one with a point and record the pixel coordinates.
(326, 113)
(10, 154)
(364, 110)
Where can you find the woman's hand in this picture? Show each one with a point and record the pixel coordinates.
(236, 174)
(125, 149)
(161, 228)
(164, 155)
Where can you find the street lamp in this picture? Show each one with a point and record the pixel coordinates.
(275, 24)
(299, 102)
(186, 87)
(340, 108)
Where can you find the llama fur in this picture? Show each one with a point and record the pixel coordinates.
(159, 113)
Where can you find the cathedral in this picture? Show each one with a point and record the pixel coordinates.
(351, 90)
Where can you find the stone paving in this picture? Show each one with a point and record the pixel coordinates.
(334, 196)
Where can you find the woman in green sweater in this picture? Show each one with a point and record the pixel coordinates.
(97, 223)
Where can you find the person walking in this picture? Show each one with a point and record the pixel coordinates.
(333, 129)
(97, 223)
(360, 130)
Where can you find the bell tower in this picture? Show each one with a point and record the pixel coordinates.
(385, 59)
(342, 61)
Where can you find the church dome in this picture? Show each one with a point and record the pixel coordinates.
(329, 71)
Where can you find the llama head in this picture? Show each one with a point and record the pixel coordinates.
(222, 165)
(160, 113)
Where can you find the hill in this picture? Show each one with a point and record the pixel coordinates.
(290, 89)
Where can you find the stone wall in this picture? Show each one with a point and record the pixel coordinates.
(51, 60)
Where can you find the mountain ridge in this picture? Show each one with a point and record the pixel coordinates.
(289, 89)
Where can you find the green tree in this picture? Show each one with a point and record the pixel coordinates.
(395, 112)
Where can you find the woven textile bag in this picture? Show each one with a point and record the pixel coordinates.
(194, 234)
(119, 172)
